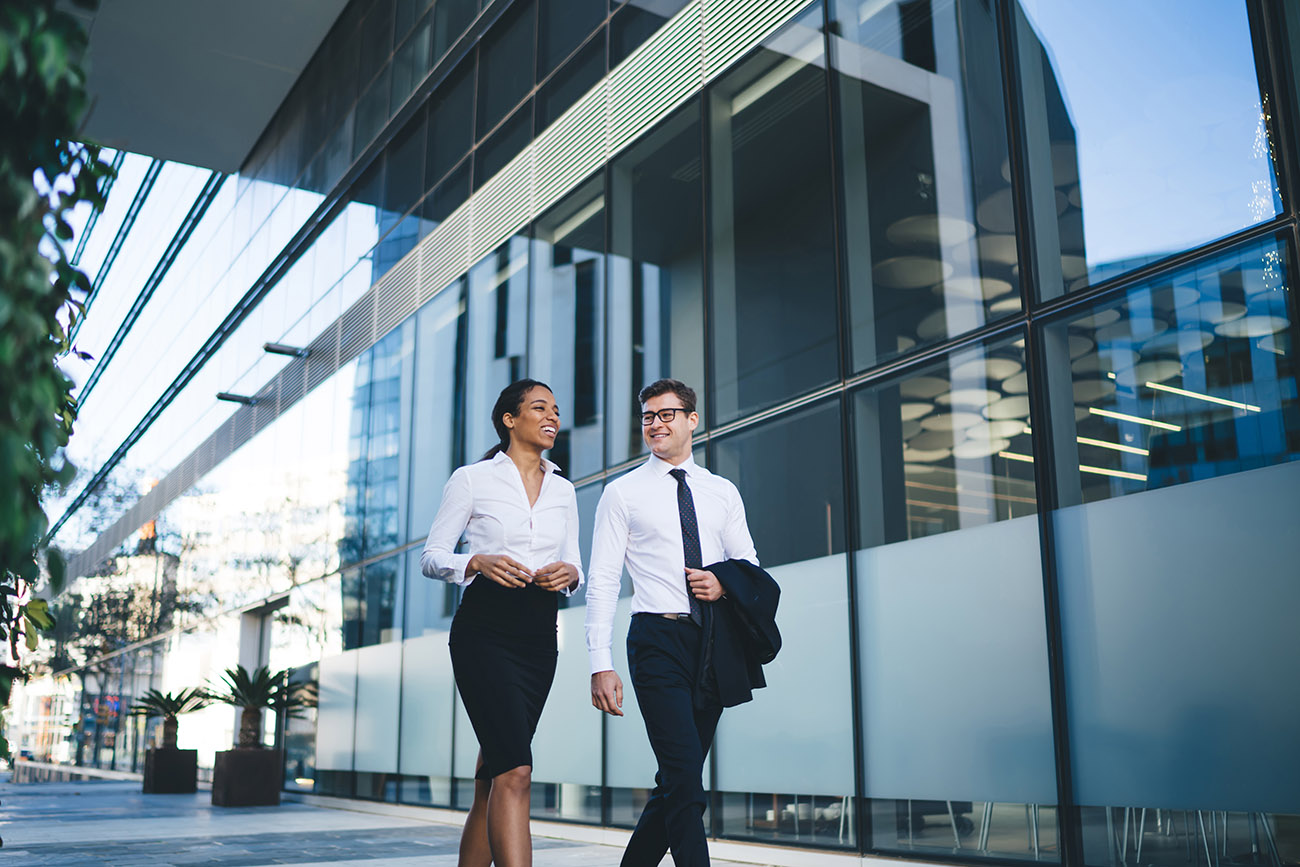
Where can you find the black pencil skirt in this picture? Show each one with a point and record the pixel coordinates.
(503, 654)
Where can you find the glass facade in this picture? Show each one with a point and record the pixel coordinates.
(996, 340)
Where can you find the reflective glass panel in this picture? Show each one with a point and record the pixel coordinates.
(561, 27)
(567, 317)
(498, 318)
(1122, 175)
(956, 711)
(923, 142)
(1176, 429)
(503, 145)
(574, 79)
(774, 321)
(656, 273)
(450, 18)
(505, 68)
(451, 126)
(636, 21)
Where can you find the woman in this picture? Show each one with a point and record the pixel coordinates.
(520, 521)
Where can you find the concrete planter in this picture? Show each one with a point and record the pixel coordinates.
(247, 778)
(171, 771)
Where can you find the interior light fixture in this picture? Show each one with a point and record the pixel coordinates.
(236, 398)
(281, 349)
(1132, 450)
(1119, 474)
(1163, 425)
(582, 215)
(1223, 401)
(1016, 456)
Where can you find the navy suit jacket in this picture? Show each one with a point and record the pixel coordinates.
(740, 634)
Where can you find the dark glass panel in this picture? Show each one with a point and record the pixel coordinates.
(635, 22)
(376, 38)
(371, 114)
(774, 322)
(450, 18)
(923, 139)
(574, 79)
(656, 273)
(451, 123)
(567, 321)
(505, 69)
(503, 145)
(445, 198)
(404, 178)
(561, 27)
(410, 64)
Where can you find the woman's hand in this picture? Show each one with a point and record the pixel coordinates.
(556, 576)
(501, 569)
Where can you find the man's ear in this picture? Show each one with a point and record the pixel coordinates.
(693, 421)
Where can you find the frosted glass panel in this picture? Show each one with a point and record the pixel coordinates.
(566, 748)
(801, 723)
(955, 693)
(379, 669)
(427, 689)
(336, 714)
(1178, 609)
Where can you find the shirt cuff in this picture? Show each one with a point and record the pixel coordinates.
(602, 660)
(454, 571)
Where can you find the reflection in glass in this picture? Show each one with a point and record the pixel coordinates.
(498, 319)
(574, 79)
(773, 268)
(505, 68)
(451, 125)
(1120, 176)
(561, 27)
(656, 273)
(957, 730)
(567, 315)
(1187, 377)
(503, 145)
(924, 143)
(636, 21)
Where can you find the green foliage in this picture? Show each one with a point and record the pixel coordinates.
(43, 176)
(170, 705)
(263, 689)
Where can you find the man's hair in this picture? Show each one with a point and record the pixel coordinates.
(666, 386)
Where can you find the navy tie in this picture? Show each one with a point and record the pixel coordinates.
(690, 537)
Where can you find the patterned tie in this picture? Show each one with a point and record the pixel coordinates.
(690, 537)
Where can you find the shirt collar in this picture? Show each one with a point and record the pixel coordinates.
(661, 467)
(503, 458)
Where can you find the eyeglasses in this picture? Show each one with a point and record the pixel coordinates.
(665, 415)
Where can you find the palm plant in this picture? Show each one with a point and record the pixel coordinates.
(169, 706)
(259, 691)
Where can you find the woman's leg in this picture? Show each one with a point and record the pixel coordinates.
(507, 822)
(474, 848)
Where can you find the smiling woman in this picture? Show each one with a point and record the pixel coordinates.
(520, 525)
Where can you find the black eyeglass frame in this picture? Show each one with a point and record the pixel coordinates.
(648, 418)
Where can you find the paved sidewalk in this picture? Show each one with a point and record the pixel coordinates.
(99, 822)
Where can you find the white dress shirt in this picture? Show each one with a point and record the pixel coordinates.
(638, 524)
(487, 504)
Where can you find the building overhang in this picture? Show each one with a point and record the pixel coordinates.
(195, 82)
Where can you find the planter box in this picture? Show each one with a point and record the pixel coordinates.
(171, 772)
(247, 778)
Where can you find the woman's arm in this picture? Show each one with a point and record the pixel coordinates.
(439, 558)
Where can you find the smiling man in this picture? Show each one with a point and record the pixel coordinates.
(664, 520)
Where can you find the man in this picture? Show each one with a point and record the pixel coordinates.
(664, 520)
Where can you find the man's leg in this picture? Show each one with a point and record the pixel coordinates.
(663, 656)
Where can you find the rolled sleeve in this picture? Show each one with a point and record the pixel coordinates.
(439, 558)
(737, 543)
(608, 548)
(572, 551)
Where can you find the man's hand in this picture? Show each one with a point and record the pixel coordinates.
(556, 576)
(499, 568)
(607, 692)
(704, 585)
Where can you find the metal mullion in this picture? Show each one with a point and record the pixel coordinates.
(1068, 831)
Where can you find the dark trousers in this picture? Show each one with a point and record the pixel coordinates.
(663, 656)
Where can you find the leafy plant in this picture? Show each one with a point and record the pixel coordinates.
(169, 706)
(43, 176)
(263, 689)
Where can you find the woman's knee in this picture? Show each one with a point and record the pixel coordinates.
(516, 779)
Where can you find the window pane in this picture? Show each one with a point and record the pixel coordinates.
(948, 560)
(774, 317)
(371, 114)
(656, 273)
(1176, 431)
(445, 198)
(405, 173)
(450, 18)
(561, 27)
(577, 77)
(410, 63)
(451, 111)
(567, 317)
(635, 22)
(498, 315)
(505, 69)
(1122, 175)
(924, 141)
(801, 723)
(386, 451)
(503, 145)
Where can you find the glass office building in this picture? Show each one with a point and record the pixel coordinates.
(988, 305)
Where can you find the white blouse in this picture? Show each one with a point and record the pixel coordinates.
(486, 503)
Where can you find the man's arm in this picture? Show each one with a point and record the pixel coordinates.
(737, 544)
(608, 548)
